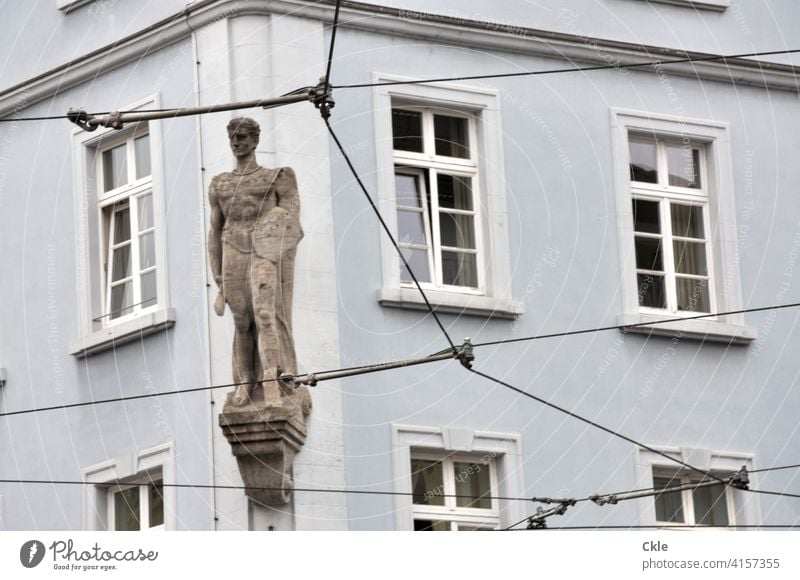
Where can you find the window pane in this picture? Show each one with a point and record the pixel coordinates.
(407, 130)
(431, 526)
(651, 291)
(459, 269)
(646, 217)
(710, 506)
(155, 498)
(115, 168)
(683, 164)
(149, 289)
(669, 506)
(457, 230)
(454, 192)
(145, 212)
(147, 250)
(648, 254)
(418, 260)
(410, 227)
(407, 190)
(687, 221)
(690, 258)
(643, 162)
(451, 135)
(121, 300)
(126, 510)
(141, 147)
(122, 225)
(426, 482)
(472, 482)
(121, 260)
(693, 295)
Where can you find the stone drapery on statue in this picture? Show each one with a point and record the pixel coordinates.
(255, 230)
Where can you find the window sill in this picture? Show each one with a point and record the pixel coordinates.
(698, 329)
(717, 5)
(67, 6)
(116, 335)
(451, 302)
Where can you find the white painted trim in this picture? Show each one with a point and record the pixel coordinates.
(506, 449)
(724, 268)
(67, 6)
(716, 5)
(95, 336)
(128, 466)
(746, 508)
(495, 261)
(442, 30)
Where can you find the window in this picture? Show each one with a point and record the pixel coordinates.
(120, 236)
(138, 506)
(126, 205)
(710, 505)
(437, 190)
(454, 493)
(128, 493)
(677, 229)
(702, 506)
(432, 465)
(670, 224)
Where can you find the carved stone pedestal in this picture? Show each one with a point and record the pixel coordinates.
(264, 442)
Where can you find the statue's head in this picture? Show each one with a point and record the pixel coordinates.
(243, 133)
(244, 125)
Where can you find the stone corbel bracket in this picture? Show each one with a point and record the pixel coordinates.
(264, 442)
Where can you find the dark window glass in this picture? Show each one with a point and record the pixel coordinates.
(407, 130)
(643, 162)
(451, 135)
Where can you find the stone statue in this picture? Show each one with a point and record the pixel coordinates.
(255, 229)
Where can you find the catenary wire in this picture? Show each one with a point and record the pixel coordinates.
(490, 76)
(636, 324)
(334, 28)
(653, 63)
(663, 527)
(388, 231)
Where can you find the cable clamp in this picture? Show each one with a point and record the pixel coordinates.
(320, 95)
(741, 480)
(465, 353)
(81, 118)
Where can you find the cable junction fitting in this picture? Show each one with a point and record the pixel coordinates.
(538, 521)
(118, 119)
(462, 353)
(321, 97)
(739, 480)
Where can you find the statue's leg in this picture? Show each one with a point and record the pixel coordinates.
(238, 300)
(264, 287)
(299, 396)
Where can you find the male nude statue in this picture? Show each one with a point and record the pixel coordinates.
(255, 229)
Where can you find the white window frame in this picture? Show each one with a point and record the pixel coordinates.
(139, 483)
(450, 512)
(493, 297)
(130, 193)
(502, 450)
(95, 331)
(666, 196)
(140, 466)
(686, 477)
(743, 507)
(713, 137)
(428, 162)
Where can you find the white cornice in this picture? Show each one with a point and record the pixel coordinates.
(432, 27)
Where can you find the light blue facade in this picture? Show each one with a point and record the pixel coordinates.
(566, 252)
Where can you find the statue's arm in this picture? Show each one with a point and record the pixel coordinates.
(215, 236)
(288, 197)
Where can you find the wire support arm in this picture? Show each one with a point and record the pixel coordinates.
(538, 520)
(118, 119)
(462, 353)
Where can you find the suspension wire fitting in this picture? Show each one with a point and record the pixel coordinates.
(538, 521)
(321, 97)
(739, 480)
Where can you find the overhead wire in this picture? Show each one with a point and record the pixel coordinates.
(651, 63)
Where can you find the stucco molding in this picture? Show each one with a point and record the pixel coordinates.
(425, 26)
